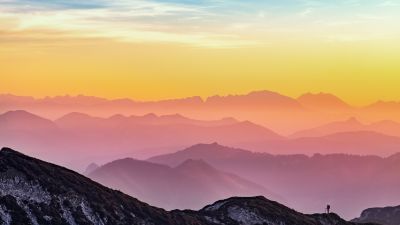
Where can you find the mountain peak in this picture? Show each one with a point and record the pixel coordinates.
(259, 210)
(131, 164)
(90, 168)
(18, 113)
(201, 145)
(353, 120)
(229, 119)
(233, 200)
(117, 116)
(255, 99)
(24, 120)
(195, 164)
(150, 116)
(320, 95)
(384, 105)
(212, 148)
(199, 151)
(264, 93)
(322, 100)
(8, 151)
(174, 116)
(75, 115)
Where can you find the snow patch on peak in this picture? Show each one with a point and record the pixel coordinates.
(88, 212)
(23, 190)
(47, 218)
(29, 192)
(215, 206)
(212, 220)
(5, 216)
(245, 216)
(28, 212)
(66, 214)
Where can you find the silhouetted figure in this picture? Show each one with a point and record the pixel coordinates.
(328, 209)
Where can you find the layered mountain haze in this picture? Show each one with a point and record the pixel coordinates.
(278, 112)
(24, 121)
(77, 120)
(350, 125)
(387, 127)
(257, 100)
(356, 142)
(330, 154)
(225, 130)
(22, 129)
(98, 139)
(190, 185)
(43, 193)
(307, 182)
(385, 109)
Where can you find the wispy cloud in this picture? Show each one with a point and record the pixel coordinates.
(132, 21)
(207, 23)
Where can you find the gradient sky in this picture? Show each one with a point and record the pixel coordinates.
(168, 48)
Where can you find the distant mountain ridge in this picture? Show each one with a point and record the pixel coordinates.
(118, 136)
(121, 136)
(190, 185)
(307, 182)
(350, 125)
(359, 142)
(323, 101)
(42, 193)
(258, 99)
(22, 120)
(267, 108)
(382, 215)
(72, 118)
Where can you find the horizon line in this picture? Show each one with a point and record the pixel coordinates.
(203, 99)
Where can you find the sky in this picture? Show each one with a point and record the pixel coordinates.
(162, 49)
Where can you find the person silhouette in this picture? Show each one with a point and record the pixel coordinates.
(328, 208)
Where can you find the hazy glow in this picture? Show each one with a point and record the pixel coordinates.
(170, 48)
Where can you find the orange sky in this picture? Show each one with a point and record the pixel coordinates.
(55, 52)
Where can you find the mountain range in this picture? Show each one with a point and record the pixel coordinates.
(280, 113)
(386, 127)
(308, 170)
(307, 182)
(101, 139)
(36, 192)
(144, 136)
(190, 185)
(353, 142)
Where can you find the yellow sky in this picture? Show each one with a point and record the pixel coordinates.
(359, 73)
(177, 50)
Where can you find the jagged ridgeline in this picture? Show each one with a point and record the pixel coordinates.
(36, 192)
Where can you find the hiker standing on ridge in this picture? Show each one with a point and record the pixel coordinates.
(328, 208)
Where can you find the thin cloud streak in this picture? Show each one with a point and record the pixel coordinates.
(216, 24)
(122, 20)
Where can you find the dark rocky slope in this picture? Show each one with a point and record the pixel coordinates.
(36, 192)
